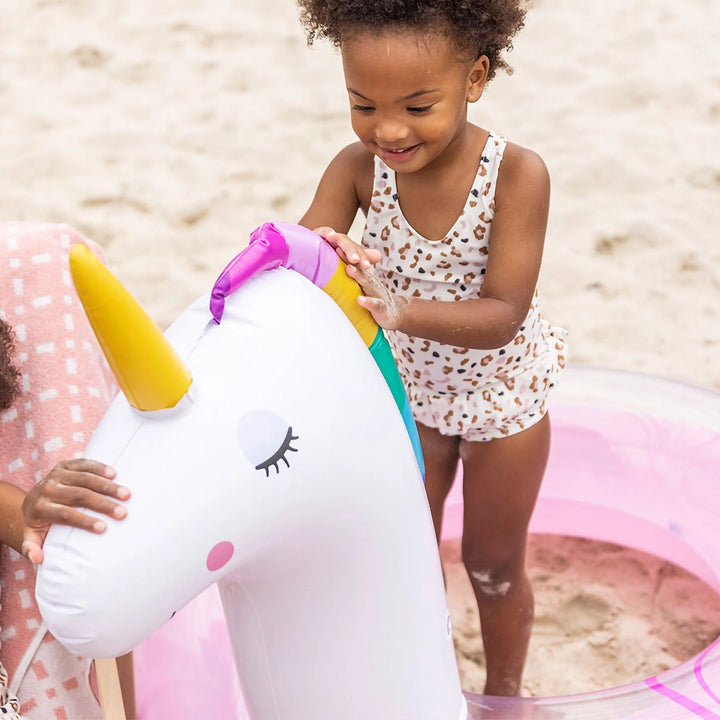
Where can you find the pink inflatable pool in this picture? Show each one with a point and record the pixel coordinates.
(635, 461)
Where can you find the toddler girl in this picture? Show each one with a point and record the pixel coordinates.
(449, 262)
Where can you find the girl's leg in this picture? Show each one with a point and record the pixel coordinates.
(441, 454)
(501, 480)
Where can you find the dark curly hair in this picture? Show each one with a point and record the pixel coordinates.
(478, 27)
(9, 374)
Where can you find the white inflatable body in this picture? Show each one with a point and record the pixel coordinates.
(287, 476)
(634, 460)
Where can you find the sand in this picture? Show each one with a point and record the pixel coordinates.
(605, 616)
(167, 130)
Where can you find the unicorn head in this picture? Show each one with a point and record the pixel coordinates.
(268, 451)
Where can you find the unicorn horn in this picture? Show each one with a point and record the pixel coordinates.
(147, 368)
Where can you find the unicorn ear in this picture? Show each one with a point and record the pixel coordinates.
(147, 368)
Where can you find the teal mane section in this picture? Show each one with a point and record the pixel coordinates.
(382, 354)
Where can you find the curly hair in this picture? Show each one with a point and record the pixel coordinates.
(478, 27)
(9, 374)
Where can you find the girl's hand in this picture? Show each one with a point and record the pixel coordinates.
(387, 309)
(83, 484)
(348, 250)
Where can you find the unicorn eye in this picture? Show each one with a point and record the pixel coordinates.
(266, 440)
(280, 455)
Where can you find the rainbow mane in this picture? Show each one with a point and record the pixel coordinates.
(275, 245)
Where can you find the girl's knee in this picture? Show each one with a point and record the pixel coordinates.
(493, 574)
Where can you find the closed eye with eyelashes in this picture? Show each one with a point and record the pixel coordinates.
(280, 455)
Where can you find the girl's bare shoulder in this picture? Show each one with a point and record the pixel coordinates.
(522, 170)
(357, 162)
(345, 186)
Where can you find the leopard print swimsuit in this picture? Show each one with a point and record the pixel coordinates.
(476, 394)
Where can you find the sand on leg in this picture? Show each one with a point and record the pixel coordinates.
(501, 481)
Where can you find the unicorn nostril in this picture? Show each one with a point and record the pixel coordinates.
(220, 555)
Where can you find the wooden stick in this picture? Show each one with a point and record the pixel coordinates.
(108, 682)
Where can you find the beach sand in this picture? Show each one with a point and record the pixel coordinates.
(167, 131)
(605, 616)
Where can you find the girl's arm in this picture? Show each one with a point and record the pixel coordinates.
(72, 484)
(11, 517)
(522, 200)
(345, 188)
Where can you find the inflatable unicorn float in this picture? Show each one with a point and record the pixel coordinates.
(270, 452)
(270, 449)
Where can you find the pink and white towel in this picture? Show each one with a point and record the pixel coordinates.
(66, 388)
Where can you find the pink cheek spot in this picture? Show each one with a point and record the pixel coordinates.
(220, 555)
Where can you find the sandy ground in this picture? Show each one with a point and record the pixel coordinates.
(605, 616)
(167, 130)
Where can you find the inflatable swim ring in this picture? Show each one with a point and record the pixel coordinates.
(635, 461)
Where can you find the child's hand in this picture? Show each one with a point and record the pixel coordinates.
(71, 484)
(387, 309)
(348, 250)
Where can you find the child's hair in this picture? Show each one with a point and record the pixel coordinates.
(478, 27)
(9, 374)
